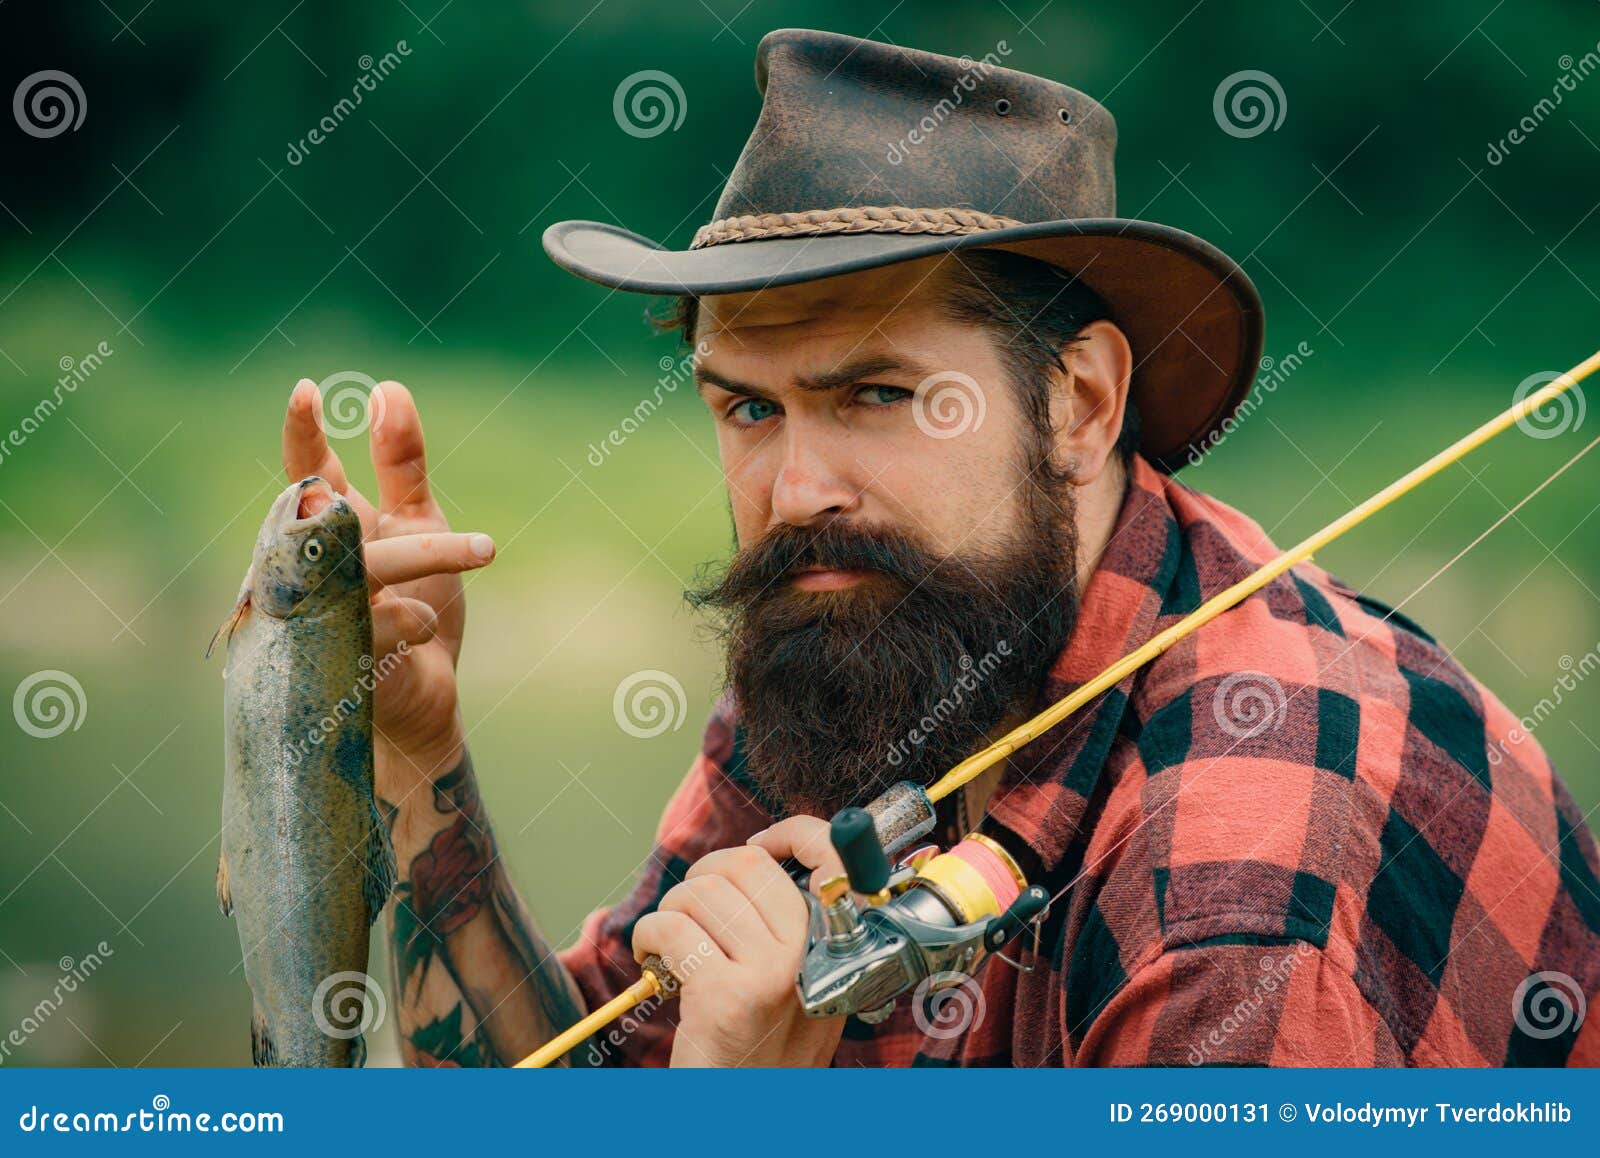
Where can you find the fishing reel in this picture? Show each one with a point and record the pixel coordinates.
(923, 923)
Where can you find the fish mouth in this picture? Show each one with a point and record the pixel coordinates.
(308, 503)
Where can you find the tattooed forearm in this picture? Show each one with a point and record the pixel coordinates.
(477, 983)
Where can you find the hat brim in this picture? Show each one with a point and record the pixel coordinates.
(1192, 317)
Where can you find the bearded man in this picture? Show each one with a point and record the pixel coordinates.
(950, 388)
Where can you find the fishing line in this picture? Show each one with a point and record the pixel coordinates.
(1457, 558)
(1496, 524)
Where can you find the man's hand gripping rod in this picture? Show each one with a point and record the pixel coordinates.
(933, 915)
(937, 915)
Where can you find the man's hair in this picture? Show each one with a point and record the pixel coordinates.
(1034, 309)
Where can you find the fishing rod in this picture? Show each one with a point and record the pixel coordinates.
(931, 917)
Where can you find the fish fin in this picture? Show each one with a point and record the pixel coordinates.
(224, 886)
(381, 869)
(263, 1050)
(240, 609)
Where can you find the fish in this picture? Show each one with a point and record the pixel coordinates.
(306, 862)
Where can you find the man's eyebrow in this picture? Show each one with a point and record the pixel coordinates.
(704, 377)
(845, 375)
(852, 372)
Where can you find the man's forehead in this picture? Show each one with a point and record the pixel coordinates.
(861, 300)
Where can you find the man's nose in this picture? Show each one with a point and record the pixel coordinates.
(815, 481)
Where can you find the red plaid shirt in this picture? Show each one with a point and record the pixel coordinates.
(1302, 836)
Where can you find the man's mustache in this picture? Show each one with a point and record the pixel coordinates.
(765, 567)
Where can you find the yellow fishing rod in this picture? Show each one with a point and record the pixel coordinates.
(952, 908)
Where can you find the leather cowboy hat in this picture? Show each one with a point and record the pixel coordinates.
(868, 154)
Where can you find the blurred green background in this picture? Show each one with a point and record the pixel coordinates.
(1426, 282)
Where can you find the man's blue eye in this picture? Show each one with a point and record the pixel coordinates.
(753, 410)
(883, 395)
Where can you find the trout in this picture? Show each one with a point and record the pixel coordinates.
(306, 860)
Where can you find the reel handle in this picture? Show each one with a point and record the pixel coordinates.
(901, 816)
(855, 839)
(1009, 924)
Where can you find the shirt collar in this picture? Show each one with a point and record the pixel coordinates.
(1041, 799)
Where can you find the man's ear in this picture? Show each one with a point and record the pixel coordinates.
(1088, 399)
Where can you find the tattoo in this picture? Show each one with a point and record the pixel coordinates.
(456, 912)
(444, 889)
(439, 1045)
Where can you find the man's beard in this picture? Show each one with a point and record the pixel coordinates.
(841, 693)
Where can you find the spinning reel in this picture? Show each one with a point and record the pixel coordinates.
(923, 923)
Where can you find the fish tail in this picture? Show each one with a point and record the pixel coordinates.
(263, 1050)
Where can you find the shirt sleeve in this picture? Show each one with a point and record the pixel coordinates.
(1280, 1003)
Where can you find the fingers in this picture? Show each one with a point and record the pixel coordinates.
(677, 938)
(764, 886)
(397, 450)
(305, 447)
(306, 450)
(397, 619)
(807, 840)
(407, 557)
(722, 910)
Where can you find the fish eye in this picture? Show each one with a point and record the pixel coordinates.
(312, 550)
